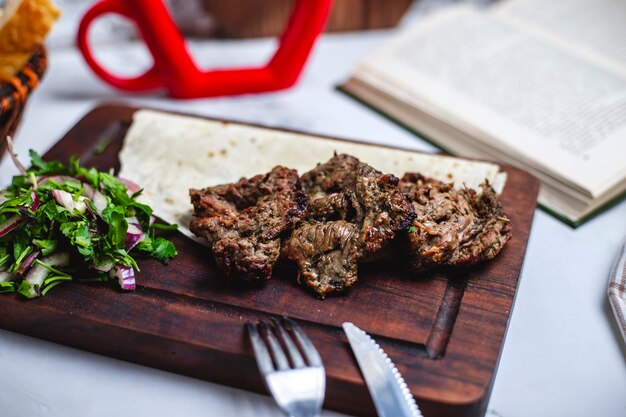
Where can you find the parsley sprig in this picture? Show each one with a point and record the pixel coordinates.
(54, 212)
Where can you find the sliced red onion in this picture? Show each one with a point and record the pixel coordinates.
(99, 201)
(89, 209)
(7, 276)
(27, 263)
(38, 272)
(126, 277)
(16, 161)
(131, 186)
(36, 201)
(16, 220)
(88, 191)
(66, 200)
(63, 198)
(134, 235)
(97, 198)
(11, 224)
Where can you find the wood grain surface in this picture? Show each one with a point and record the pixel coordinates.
(257, 18)
(444, 330)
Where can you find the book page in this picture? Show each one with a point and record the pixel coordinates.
(595, 29)
(514, 92)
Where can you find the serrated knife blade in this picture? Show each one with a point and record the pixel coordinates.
(390, 393)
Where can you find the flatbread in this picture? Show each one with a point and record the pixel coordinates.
(168, 154)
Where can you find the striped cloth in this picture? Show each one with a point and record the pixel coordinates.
(15, 91)
(617, 290)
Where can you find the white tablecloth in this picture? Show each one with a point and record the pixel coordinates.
(562, 357)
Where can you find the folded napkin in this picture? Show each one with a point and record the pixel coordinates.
(617, 290)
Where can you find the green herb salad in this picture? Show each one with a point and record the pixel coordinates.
(60, 223)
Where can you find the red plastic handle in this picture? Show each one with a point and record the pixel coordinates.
(175, 70)
(145, 82)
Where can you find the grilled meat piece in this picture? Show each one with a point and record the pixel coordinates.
(245, 221)
(453, 226)
(352, 211)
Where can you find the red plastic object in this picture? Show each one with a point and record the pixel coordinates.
(174, 68)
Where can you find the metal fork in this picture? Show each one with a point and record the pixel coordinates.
(291, 367)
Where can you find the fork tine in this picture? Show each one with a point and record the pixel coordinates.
(310, 353)
(277, 351)
(292, 350)
(263, 358)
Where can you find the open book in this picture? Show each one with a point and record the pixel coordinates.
(537, 84)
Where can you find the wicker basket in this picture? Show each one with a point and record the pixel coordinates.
(15, 92)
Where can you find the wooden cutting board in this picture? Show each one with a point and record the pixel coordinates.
(443, 330)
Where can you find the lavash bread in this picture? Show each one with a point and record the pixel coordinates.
(168, 154)
(24, 25)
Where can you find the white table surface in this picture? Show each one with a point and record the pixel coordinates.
(563, 355)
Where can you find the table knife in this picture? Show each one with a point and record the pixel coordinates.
(390, 393)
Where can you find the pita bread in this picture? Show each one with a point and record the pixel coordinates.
(167, 154)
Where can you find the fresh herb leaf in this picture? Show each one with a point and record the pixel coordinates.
(4, 258)
(52, 269)
(76, 170)
(115, 188)
(123, 258)
(161, 226)
(46, 246)
(102, 145)
(26, 289)
(54, 283)
(53, 167)
(163, 249)
(7, 287)
(118, 225)
(20, 256)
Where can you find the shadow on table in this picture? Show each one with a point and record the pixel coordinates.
(100, 94)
